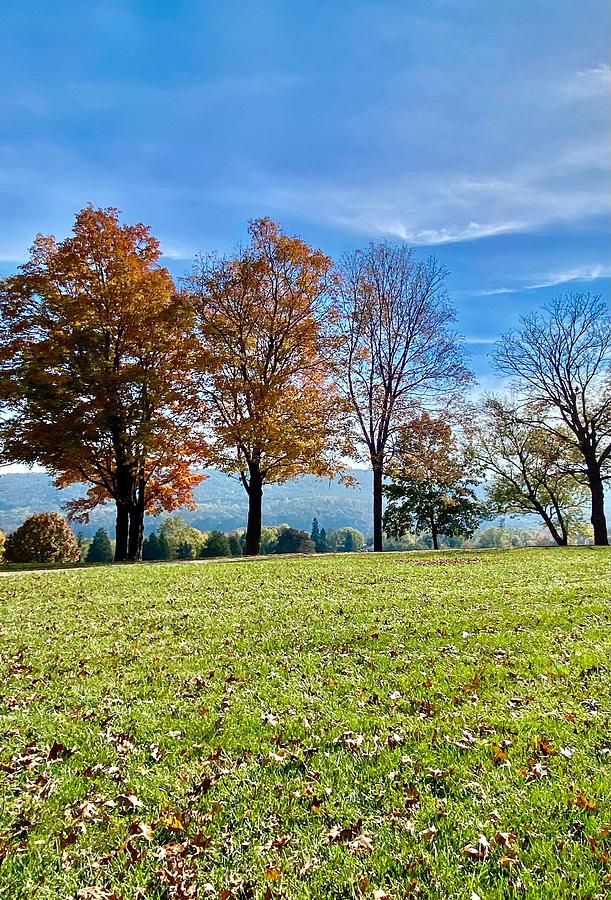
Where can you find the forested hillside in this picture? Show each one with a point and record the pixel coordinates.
(221, 503)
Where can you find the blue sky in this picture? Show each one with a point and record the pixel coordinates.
(476, 130)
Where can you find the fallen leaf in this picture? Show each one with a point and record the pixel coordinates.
(128, 803)
(361, 844)
(480, 850)
(584, 803)
(272, 873)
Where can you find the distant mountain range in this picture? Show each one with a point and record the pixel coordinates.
(221, 503)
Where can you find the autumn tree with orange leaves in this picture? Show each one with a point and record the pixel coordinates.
(96, 348)
(265, 386)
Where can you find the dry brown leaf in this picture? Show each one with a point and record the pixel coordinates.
(478, 851)
(429, 834)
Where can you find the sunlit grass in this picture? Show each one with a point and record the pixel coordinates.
(309, 728)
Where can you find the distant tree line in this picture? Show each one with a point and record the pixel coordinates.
(275, 362)
(48, 538)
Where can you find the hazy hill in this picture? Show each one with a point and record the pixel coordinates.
(221, 503)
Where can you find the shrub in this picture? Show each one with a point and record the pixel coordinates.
(291, 540)
(150, 547)
(45, 538)
(216, 545)
(350, 539)
(100, 549)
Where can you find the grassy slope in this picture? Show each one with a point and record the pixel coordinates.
(149, 670)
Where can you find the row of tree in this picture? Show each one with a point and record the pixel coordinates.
(272, 363)
(175, 539)
(435, 470)
(48, 538)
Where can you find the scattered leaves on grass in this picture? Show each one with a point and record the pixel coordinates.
(534, 771)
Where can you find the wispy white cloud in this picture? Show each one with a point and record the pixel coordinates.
(538, 162)
(177, 251)
(485, 292)
(580, 273)
(551, 279)
(429, 209)
(593, 82)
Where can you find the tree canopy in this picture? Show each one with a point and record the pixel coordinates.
(265, 385)
(395, 348)
(530, 468)
(431, 488)
(95, 344)
(560, 359)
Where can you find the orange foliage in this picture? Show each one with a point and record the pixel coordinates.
(268, 389)
(96, 352)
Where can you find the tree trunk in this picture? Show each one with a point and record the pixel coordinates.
(253, 527)
(378, 475)
(136, 525)
(598, 520)
(434, 535)
(560, 537)
(121, 532)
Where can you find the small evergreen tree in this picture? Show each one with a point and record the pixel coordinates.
(184, 550)
(100, 549)
(315, 533)
(349, 542)
(216, 545)
(322, 545)
(151, 548)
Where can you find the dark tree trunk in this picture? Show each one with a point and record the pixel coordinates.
(378, 535)
(136, 525)
(598, 520)
(560, 537)
(434, 535)
(253, 527)
(121, 532)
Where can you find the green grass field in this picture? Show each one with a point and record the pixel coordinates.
(342, 727)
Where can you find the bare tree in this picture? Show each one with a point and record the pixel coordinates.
(529, 468)
(396, 348)
(560, 359)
